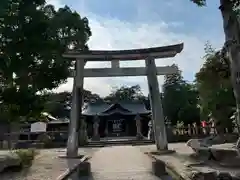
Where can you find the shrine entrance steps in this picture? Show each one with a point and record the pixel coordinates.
(108, 141)
(122, 163)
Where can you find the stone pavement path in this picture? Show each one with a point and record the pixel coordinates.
(121, 163)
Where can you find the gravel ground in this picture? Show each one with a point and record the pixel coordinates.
(47, 165)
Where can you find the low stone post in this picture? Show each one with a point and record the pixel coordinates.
(195, 128)
(106, 129)
(169, 130)
(5, 144)
(96, 136)
(189, 130)
(150, 131)
(139, 127)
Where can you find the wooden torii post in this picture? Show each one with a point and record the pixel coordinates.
(151, 71)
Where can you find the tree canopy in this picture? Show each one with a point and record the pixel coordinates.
(33, 37)
(235, 3)
(58, 104)
(180, 100)
(126, 93)
(214, 86)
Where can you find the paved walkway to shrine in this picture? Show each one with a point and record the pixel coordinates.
(121, 163)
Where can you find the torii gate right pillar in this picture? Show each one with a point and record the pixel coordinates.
(156, 105)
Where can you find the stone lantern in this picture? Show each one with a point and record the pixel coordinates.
(139, 127)
(96, 136)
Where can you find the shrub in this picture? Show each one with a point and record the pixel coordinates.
(26, 156)
(45, 139)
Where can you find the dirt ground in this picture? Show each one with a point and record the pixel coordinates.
(47, 165)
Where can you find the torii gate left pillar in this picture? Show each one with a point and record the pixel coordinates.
(76, 109)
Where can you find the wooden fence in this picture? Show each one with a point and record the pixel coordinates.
(59, 138)
(199, 130)
(182, 134)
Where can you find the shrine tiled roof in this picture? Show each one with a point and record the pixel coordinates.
(105, 109)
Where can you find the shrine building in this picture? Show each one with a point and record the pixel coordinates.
(116, 119)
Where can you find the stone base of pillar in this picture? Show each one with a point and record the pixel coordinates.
(106, 132)
(79, 156)
(83, 139)
(96, 138)
(139, 136)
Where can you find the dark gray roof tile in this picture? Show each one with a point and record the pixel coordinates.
(103, 108)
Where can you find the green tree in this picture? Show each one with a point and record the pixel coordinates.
(126, 93)
(189, 111)
(214, 86)
(89, 96)
(232, 3)
(230, 14)
(179, 100)
(57, 104)
(33, 37)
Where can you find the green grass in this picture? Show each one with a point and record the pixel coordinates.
(26, 156)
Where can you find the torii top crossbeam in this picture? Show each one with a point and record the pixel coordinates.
(133, 54)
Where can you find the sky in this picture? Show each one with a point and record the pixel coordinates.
(125, 24)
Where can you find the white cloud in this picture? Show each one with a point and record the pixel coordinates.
(111, 33)
(56, 3)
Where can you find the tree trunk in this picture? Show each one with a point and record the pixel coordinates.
(14, 135)
(232, 30)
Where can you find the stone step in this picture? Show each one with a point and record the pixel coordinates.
(124, 176)
(100, 144)
(122, 142)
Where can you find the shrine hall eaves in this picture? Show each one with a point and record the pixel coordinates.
(105, 109)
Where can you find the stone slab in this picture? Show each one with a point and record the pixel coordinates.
(75, 167)
(8, 159)
(225, 146)
(222, 154)
(181, 165)
(162, 152)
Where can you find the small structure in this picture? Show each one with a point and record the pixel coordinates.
(38, 127)
(116, 119)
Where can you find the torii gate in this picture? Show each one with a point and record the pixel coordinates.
(151, 71)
